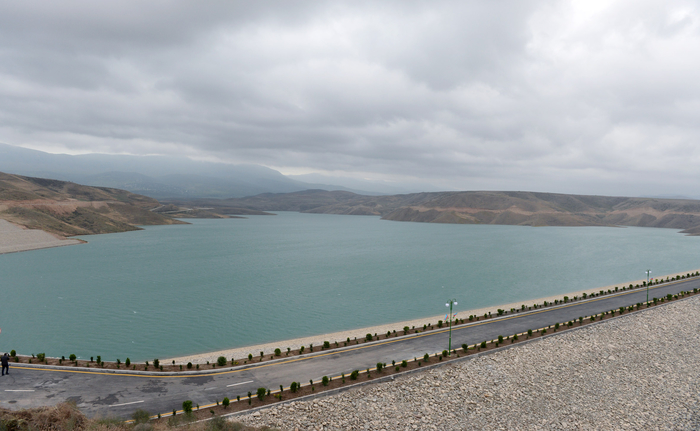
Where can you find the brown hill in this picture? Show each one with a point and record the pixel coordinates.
(485, 207)
(66, 208)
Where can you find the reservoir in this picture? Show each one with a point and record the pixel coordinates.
(216, 284)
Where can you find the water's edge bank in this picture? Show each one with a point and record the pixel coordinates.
(340, 336)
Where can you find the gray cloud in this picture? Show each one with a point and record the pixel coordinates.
(574, 97)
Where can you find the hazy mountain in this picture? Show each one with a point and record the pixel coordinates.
(158, 176)
(365, 187)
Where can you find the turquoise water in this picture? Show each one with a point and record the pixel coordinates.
(217, 284)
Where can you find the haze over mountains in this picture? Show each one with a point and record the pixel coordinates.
(175, 177)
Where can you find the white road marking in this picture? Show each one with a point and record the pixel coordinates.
(126, 404)
(242, 383)
(19, 390)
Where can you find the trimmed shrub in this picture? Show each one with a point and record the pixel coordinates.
(500, 339)
(221, 361)
(187, 406)
(354, 374)
(261, 393)
(379, 367)
(405, 330)
(225, 402)
(72, 357)
(529, 332)
(465, 348)
(140, 416)
(41, 356)
(324, 380)
(426, 357)
(368, 337)
(483, 344)
(404, 363)
(326, 345)
(156, 363)
(13, 353)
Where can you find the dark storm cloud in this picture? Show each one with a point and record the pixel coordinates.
(581, 97)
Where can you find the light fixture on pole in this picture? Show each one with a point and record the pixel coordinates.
(648, 272)
(450, 303)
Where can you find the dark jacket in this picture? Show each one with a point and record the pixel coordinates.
(5, 360)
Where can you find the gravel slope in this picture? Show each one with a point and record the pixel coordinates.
(638, 371)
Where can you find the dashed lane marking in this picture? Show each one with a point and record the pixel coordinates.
(126, 404)
(237, 384)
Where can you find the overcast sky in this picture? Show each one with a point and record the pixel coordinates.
(591, 97)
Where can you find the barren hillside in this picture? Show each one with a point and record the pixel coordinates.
(65, 208)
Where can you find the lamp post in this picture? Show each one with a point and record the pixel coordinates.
(648, 272)
(450, 303)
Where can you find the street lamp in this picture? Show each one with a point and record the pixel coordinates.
(648, 272)
(450, 303)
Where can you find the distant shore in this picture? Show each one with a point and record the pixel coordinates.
(340, 336)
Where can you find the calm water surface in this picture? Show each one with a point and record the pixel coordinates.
(216, 284)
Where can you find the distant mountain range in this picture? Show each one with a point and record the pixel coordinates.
(174, 177)
(482, 207)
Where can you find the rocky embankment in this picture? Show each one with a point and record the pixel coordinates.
(638, 371)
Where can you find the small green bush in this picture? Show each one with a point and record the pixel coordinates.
(529, 332)
(404, 363)
(221, 361)
(439, 323)
(156, 363)
(379, 367)
(354, 374)
(368, 337)
(189, 365)
(326, 345)
(140, 416)
(500, 339)
(127, 362)
(483, 344)
(72, 357)
(324, 380)
(465, 348)
(41, 356)
(426, 357)
(261, 393)
(13, 353)
(187, 406)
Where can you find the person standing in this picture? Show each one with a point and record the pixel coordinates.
(5, 360)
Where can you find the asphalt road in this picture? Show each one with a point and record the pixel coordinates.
(108, 394)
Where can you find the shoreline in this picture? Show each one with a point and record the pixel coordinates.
(16, 239)
(340, 336)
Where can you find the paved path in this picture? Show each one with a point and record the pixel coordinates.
(98, 393)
